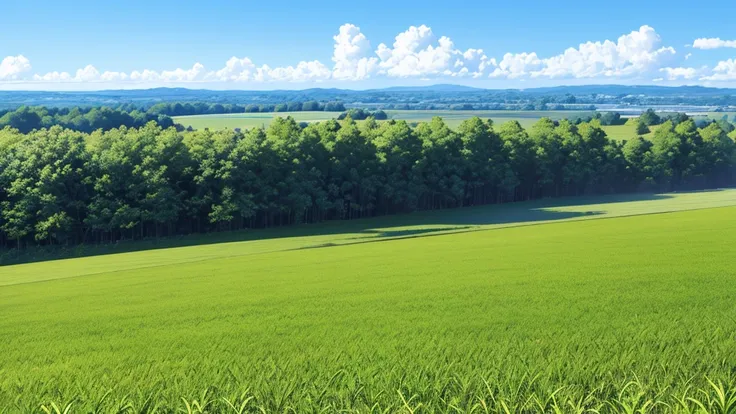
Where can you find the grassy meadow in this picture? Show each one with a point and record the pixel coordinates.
(626, 131)
(249, 120)
(452, 118)
(612, 304)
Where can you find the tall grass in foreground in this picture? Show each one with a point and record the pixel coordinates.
(458, 395)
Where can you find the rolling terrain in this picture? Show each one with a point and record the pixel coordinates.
(598, 303)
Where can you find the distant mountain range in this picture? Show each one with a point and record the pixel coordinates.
(440, 94)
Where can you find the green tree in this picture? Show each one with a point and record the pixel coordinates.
(44, 186)
(649, 118)
(442, 165)
(641, 127)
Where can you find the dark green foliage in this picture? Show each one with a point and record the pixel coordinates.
(641, 128)
(726, 126)
(610, 118)
(650, 118)
(360, 114)
(26, 119)
(63, 186)
(202, 108)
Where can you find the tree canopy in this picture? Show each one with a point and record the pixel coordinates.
(60, 185)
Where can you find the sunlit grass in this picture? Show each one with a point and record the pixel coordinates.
(632, 314)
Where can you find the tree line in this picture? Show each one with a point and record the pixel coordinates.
(87, 119)
(26, 118)
(203, 108)
(62, 186)
(360, 114)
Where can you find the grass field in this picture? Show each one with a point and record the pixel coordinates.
(249, 120)
(592, 303)
(452, 118)
(626, 132)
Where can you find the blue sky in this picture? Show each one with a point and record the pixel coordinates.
(85, 45)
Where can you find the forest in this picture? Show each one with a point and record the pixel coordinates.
(203, 108)
(64, 186)
(88, 119)
(26, 119)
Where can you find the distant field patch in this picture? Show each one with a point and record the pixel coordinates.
(452, 118)
(626, 132)
(249, 120)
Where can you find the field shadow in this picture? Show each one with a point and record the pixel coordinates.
(416, 224)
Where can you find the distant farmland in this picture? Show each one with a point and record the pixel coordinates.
(451, 118)
(249, 120)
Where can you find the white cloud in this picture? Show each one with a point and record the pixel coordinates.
(87, 74)
(108, 76)
(420, 54)
(244, 70)
(196, 73)
(53, 77)
(417, 52)
(145, 75)
(679, 73)
(236, 70)
(633, 54)
(413, 54)
(517, 65)
(352, 54)
(476, 62)
(13, 66)
(304, 71)
(713, 43)
(724, 71)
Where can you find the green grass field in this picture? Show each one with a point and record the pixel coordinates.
(452, 118)
(589, 303)
(249, 120)
(626, 132)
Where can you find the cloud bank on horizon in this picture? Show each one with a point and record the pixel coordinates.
(418, 53)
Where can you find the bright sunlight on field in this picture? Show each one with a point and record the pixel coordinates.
(560, 313)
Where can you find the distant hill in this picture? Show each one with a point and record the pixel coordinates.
(438, 96)
(431, 88)
(623, 90)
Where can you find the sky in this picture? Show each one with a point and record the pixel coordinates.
(249, 45)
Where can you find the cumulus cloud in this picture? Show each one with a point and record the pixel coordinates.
(634, 53)
(419, 53)
(713, 43)
(196, 73)
(517, 65)
(352, 54)
(13, 66)
(244, 70)
(302, 72)
(679, 73)
(724, 71)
